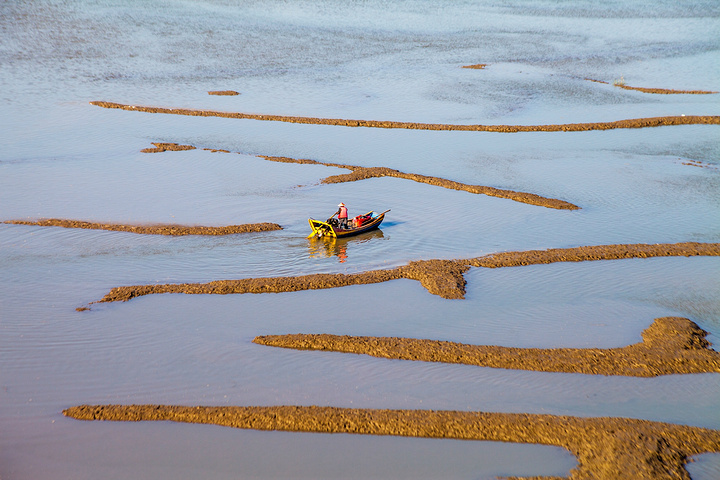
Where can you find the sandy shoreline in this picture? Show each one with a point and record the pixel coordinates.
(569, 127)
(162, 229)
(606, 447)
(440, 277)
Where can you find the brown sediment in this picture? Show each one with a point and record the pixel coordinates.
(597, 252)
(163, 229)
(165, 147)
(216, 150)
(661, 91)
(697, 163)
(362, 173)
(523, 197)
(224, 92)
(477, 66)
(569, 127)
(666, 91)
(606, 448)
(670, 346)
(439, 277)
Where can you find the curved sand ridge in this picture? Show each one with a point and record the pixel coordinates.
(660, 91)
(569, 127)
(671, 345)
(666, 91)
(362, 173)
(163, 229)
(606, 448)
(439, 277)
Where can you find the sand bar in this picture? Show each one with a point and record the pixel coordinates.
(161, 229)
(568, 127)
(223, 92)
(440, 277)
(671, 345)
(362, 173)
(666, 91)
(606, 448)
(167, 147)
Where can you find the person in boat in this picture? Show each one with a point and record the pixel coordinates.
(342, 214)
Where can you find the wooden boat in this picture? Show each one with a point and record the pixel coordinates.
(356, 225)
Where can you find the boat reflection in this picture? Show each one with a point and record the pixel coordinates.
(329, 246)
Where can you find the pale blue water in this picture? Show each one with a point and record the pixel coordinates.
(62, 157)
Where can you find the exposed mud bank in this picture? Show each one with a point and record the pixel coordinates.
(167, 147)
(477, 66)
(606, 448)
(223, 92)
(596, 252)
(152, 229)
(440, 277)
(666, 91)
(660, 91)
(362, 173)
(671, 345)
(569, 127)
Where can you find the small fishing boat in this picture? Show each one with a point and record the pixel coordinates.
(360, 224)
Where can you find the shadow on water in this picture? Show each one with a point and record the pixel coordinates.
(328, 247)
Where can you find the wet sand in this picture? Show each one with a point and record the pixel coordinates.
(569, 127)
(223, 92)
(606, 447)
(670, 346)
(362, 173)
(162, 229)
(440, 277)
(666, 91)
(167, 147)
(659, 91)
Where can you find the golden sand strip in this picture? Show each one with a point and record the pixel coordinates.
(607, 448)
(666, 91)
(440, 277)
(163, 229)
(477, 66)
(167, 147)
(223, 92)
(362, 173)
(596, 252)
(670, 346)
(569, 127)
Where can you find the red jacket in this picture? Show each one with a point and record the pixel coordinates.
(342, 212)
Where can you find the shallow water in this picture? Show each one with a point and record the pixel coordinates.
(62, 157)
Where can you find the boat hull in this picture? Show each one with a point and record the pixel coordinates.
(325, 229)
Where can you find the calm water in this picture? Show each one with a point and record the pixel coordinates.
(62, 157)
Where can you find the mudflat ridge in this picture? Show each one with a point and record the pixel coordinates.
(362, 173)
(671, 345)
(568, 127)
(606, 448)
(440, 277)
(162, 229)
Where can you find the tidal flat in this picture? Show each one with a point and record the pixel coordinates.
(545, 282)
